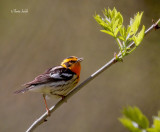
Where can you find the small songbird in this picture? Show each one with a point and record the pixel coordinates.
(57, 81)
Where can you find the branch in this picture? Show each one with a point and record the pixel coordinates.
(43, 118)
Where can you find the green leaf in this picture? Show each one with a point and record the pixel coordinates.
(115, 24)
(108, 32)
(128, 30)
(156, 125)
(123, 33)
(121, 38)
(101, 22)
(114, 12)
(109, 13)
(119, 16)
(112, 21)
(135, 115)
(138, 38)
(134, 23)
(117, 30)
(130, 125)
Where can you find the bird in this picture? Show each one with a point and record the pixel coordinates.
(56, 82)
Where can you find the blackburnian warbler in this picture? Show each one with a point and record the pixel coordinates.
(57, 81)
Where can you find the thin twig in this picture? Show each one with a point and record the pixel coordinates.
(43, 118)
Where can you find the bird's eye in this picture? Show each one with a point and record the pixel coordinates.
(72, 62)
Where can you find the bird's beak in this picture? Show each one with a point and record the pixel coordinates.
(79, 59)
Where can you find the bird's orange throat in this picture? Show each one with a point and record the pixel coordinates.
(76, 68)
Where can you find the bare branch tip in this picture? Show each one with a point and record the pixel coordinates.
(156, 24)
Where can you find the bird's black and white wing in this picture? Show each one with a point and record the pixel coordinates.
(52, 75)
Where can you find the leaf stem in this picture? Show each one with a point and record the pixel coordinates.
(119, 43)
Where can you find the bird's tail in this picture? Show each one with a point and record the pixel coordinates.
(21, 90)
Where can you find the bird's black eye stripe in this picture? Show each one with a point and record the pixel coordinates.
(68, 64)
(72, 61)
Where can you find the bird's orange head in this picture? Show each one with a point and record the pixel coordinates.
(72, 63)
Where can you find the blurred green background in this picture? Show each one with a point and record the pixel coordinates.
(55, 29)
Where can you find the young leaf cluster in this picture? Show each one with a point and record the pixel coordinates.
(156, 124)
(135, 121)
(112, 24)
